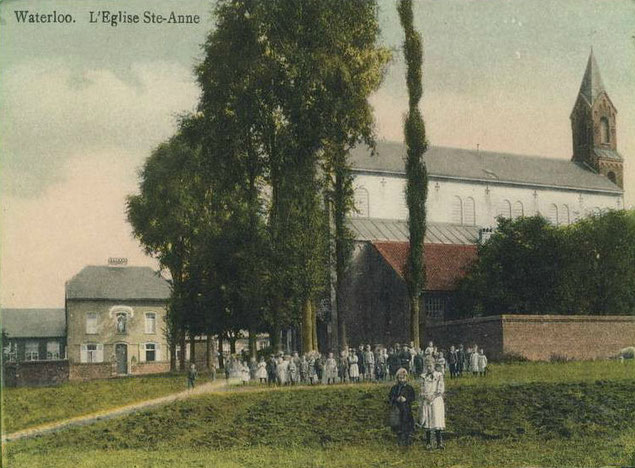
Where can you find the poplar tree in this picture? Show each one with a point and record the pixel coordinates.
(416, 173)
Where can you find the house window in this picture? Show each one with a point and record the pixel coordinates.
(435, 306)
(361, 202)
(505, 209)
(605, 132)
(150, 352)
(91, 323)
(457, 210)
(151, 322)
(11, 351)
(32, 351)
(122, 322)
(552, 214)
(92, 352)
(53, 350)
(565, 215)
(469, 212)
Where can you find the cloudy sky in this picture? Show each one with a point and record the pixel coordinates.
(84, 104)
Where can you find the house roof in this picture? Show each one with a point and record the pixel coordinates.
(592, 85)
(444, 264)
(485, 166)
(374, 229)
(121, 283)
(33, 323)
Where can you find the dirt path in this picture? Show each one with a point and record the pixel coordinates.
(210, 387)
(110, 413)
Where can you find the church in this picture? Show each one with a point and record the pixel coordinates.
(467, 191)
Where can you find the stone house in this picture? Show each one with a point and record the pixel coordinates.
(115, 318)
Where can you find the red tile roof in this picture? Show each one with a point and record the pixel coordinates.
(445, 263)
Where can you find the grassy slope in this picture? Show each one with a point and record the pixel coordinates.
(25, 407)
(585, 423)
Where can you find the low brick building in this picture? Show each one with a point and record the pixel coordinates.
(34, 347)
(115, 319)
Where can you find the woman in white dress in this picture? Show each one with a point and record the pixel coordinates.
(331, 369)
(353, 367)
(432, 412)
(482, 362)
(245, 373)
(261, 371)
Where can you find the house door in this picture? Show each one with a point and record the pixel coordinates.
(121, 354)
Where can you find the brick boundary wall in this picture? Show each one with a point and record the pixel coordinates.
(35, 373)
(143, 368)
(539, 337)
(90, 371)
(485, 332)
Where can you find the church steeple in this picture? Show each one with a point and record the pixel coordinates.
(593, 127)
(592, 85)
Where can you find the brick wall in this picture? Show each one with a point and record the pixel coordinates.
(538, 337)
(150, 367)
(81, 372)
(35, 373)
(584, 337)
(485, 332)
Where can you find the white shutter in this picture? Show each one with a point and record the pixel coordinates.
(100, 353)
(157, 353)
(142, 352)
(83, 354)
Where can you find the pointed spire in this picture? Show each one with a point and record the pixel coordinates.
(592, 85)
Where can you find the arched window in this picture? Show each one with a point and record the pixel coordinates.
(505, 209)
(362, 202)
(518, 210)
(565, 215)
(552, 214)
(457, 210)
(605, 131)
(611, 176)
(469, 212)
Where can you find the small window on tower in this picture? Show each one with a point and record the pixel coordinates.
(611, 176)
(605, 132)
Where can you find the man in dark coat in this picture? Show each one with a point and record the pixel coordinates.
(360, 360)
(401, 397)
(271, 370)
(462, 360)
(418, 363)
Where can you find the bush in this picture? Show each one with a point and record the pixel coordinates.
(511, 358)
(559, 358)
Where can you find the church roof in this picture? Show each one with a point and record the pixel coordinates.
(117, 283)
(592, 85)
(485, 166)
(34, 323)
(445, 265)
(373, 229)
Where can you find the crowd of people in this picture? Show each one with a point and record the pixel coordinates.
(361, 364)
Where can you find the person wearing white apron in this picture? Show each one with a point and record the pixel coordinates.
(432, 408)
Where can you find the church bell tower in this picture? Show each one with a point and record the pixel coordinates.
(593, 128)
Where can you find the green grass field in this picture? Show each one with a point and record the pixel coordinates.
(573, 414)
(26, 407)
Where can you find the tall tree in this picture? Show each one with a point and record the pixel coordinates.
(416, 173)
(285, 77)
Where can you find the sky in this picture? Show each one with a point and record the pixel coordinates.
(83, 104)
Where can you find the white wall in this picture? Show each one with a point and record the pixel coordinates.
(385, 199)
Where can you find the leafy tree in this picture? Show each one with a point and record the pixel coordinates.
(164, 218)
(416, 173)
(283, 78)
(529, 266)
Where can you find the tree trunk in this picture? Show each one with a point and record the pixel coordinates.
(209, 352)
(182, 356)
(221, 356)
(307, 329)
(275, 339)
(341, 322)
(192, 348)
(414, 321)
(314, 326)
(253, 352)
(173, 356)
(232, 344)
